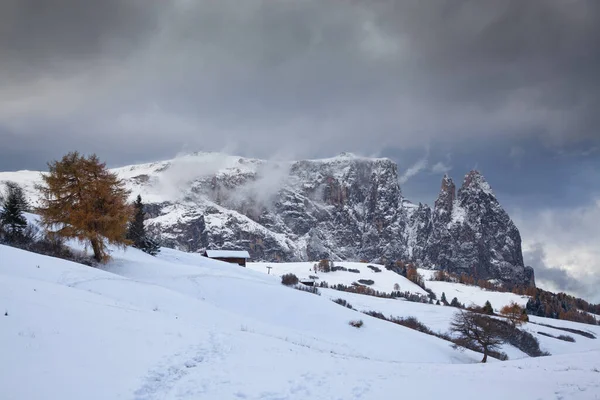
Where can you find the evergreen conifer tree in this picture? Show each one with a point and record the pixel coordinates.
(487, 308)
(455, 303)
(137, 231)
(444, 300)
(12, 220)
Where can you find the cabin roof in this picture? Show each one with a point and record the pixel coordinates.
(227, 254)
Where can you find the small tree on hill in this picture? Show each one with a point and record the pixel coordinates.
(514, 313)
(487, 308)
(137, 231)
(81, 199)
(455, 303)
(443, 299)
(477, 331)
(324, 266)
(12, 219)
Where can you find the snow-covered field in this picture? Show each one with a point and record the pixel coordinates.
(470, 295)
(384, 280)
(180, 326)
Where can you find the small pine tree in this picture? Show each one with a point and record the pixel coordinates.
(487, 308)
(455, 303)
(437, 303)
(12, 220)
(136, 231)
(444, 301)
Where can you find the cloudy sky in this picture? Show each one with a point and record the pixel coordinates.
(509, 87)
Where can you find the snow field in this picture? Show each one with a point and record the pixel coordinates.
(180, 326)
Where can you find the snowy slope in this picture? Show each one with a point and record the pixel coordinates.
(435, 317)
(470, 295)
(184, 327)
(384, 280)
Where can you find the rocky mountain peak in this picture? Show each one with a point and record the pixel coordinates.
(445, 201)
(475, 182)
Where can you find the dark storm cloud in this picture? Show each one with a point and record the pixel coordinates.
(308, 77)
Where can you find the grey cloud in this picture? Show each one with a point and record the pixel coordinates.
(308, 77)
(557, 278)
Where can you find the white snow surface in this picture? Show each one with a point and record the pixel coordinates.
(181, 326)
(384, 281)
(470, 295)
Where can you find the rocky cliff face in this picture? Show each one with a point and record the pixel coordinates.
(346, 207)
(473, 234)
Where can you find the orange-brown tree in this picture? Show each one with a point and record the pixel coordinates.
(81, 199)
(514, 313)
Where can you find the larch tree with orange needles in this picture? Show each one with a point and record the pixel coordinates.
(81, 199)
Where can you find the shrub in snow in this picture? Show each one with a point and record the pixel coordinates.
(565, 338)
(357, 323)
(339, 268)
(343, 302)
(289, 279)
(366, 281)
(374, 268)
(308, 289)
(353, 270)
(324, 265)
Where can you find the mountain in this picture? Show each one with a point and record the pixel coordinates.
(344, 208)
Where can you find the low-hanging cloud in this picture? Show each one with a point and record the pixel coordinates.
(562, 246)
(311, 77)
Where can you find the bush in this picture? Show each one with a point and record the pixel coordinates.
(308, 289)
(344, 303)
(354, 271)
(289, 279)
(374, 268)
(338, 268)
(324, 265)
(565, 338)
(366, 281)
(357, 324)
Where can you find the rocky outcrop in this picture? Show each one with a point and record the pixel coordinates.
(473, 234)
(346, 207)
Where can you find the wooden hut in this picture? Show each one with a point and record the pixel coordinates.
(231, 256)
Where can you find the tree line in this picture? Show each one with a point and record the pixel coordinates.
(80, 199)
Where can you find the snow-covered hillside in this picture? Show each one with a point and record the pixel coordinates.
(470, 295)
(384, 280)
(180, 326)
